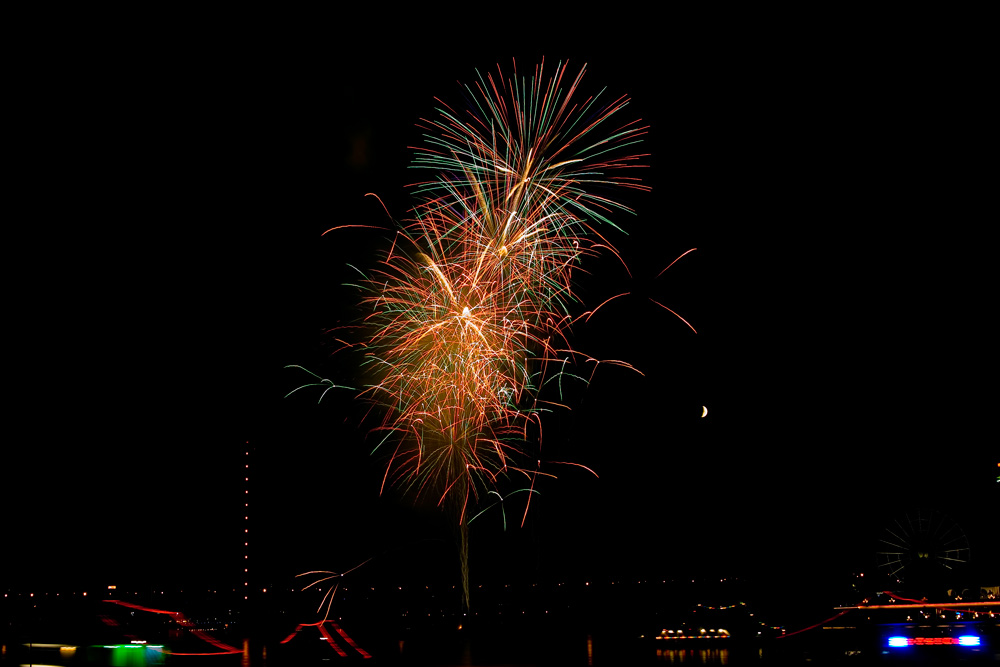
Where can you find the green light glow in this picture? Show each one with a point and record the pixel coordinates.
(124, 655)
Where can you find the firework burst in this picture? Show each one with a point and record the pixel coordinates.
(471, 308)
(469, 312)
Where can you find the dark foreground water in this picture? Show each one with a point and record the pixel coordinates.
(489, 647)
(78, 631)
(467, 652)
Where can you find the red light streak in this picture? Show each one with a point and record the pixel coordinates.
(333, 229)
(350, 641)
(329, 638)
(182, 620)
(321, 626)
(591, 313)
(675, 314)
(675, 261)
(812, 627)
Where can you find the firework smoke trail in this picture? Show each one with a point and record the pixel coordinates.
(470, 310)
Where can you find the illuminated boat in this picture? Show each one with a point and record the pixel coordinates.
(700, 634)
(692, 635)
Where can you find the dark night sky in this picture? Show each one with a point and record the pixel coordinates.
(832, 177)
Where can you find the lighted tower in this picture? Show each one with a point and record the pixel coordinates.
(246, 521)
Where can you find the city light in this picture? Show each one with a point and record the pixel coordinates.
(964, 640)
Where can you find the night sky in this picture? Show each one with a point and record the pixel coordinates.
(832, 176)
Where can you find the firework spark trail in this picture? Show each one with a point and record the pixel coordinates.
(471, 309)
(469, 313)
(332, 591)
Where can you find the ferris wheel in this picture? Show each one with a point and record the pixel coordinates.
(928, 542)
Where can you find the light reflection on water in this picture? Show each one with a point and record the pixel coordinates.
(588, 652)
(479, 651)
(705, 656)
(476, 653)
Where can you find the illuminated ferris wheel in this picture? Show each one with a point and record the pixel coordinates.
(926, 544)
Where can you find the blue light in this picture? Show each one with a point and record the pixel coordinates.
(897, 641)
(968, 640)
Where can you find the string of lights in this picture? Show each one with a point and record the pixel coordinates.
(246, 522)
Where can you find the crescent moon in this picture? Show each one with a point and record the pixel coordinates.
(704, 411)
